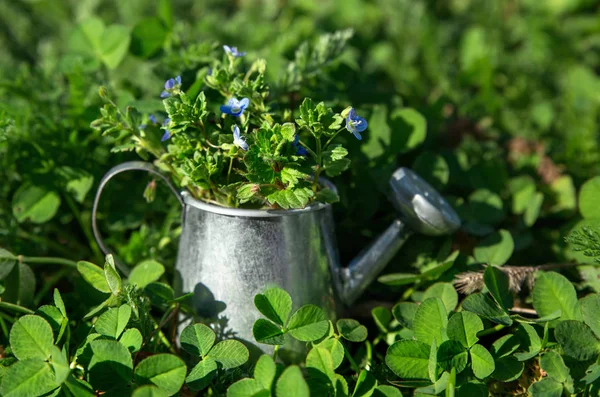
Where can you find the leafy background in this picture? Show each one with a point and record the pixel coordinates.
(495, 103)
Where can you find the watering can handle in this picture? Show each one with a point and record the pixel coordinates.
(128, 166)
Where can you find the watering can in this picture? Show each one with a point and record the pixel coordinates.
(228, 255)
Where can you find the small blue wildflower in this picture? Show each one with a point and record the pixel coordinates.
(170, 86)
(238, 140)
(355, 124)
(152, 118)
(167, 133)
(235, 107)
(233, 51)
(300, 150)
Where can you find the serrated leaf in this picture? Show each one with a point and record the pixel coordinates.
(336, 167)
(146, 272)
(31, 338)
(94, 275)
(590, 307)
(351, 330)
(552, 292)
(264, 331)
(482, 362)
(291, 383)
(30, 377)
(431, 321)
(292, 176)
(113, 321)
(165, 371)
(480, 304)
(463, 327)
(275, 304)
(409, 359)
(529, 340)
(577, 340)
(202, 374)
(197, 339)
(546, 388)
(308, 323)
(230, 353)
(555, 367)
(444, 291)
(7, 263)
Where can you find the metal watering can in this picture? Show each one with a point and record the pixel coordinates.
(229, 255)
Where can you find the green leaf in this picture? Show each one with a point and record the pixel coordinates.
(552, 292)
(533, 209)
(577, 340)
(365, 384)
(159, 293)
(166, 371)
(146, 272)
(20, 286)
(497, 284)
(588, 199)
(7, 263)
(34, 203)
(94, 275)
(555, 367)
(321, 360)
(409, 359)
(451, 354)
(485, 207)
(113, 321)
(335, 168)
(292, 176)
(433, 363)
(265, 371)
(264, 331)
(149, 391)
(480, 304)
(247, 388)
(404, 313)
(275, 304)
(382, 317)
(148, 37)
(58, 302)
(291, 383)
(60, 364)
(110, 366)
(463, 327)
(386, 391)
(230, 353)
(482, 362)
(335, 348)
(31, 337)
(78, 387)
(398, 279)
(291, 198)
(132, 339)
(197, 339)
(529, 340)
(30, 377)
(495, 249)
(112, 277)
(507, 369)
(431, 321)
(53, 316)
(590, 307)
(202, 374)
(351, 330)
(444, 291)
(308, 323)
(546, 388)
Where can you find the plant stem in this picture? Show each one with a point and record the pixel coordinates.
(15, 308)
(275, 351)
(229, 170)
(351, 360)
(48, 284)
(319, 160)
(332, 138)
(43, 260)
(489, 331)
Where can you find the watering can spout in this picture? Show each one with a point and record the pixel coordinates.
(421, 209)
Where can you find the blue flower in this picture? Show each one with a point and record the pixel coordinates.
(152, 118)
(300, 150)
(233, 51)
(355, 124)
(171, 85)
(167, 133)
(238, 140)
(235, 107)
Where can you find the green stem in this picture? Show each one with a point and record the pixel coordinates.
(489, 331)
(229, 170)
(275, 351)
(319, 167)
(332, 138)
(351, 360)
(43, 260)
(309, 150)
(15, 308)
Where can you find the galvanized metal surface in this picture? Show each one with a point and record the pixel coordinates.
(226, 255)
